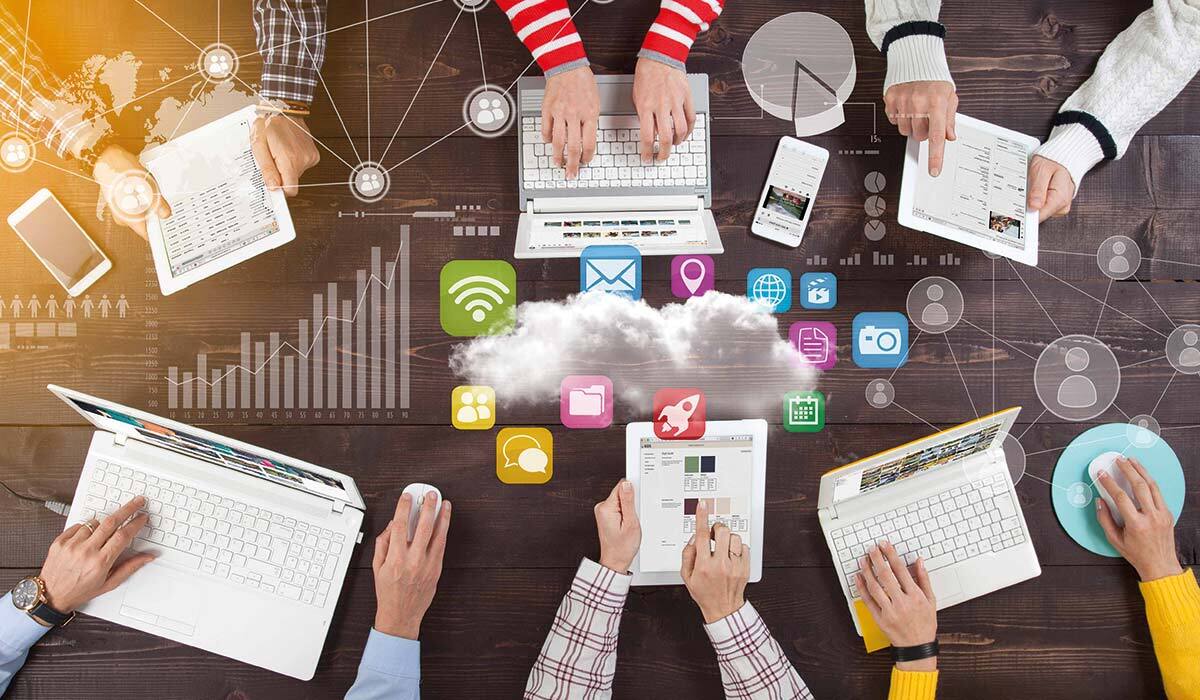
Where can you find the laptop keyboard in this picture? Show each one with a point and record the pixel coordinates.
(220, 536)
(618, 161)
(960, 523)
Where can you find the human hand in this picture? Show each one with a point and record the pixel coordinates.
(1148, 539)
(407, 573)
(283, 149)
(618, 527)
(570, 112)
(1051, 188)
(902, 603)
(716, 578)
(924, 109)
(664, 106)
(82, 564)
(110, 166)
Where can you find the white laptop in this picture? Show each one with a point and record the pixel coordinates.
(948, 498)
(252, 546)
(662, 209)
(726, 467)
(221, 211)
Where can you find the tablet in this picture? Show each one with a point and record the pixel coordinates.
(727, 467)
(979, 198)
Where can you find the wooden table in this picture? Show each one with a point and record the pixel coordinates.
(1078, 628)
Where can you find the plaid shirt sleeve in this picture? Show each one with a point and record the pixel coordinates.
(34, 100)
(753, 665)
(291, 40)
(579, 659)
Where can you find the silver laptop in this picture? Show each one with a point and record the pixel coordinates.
(661, 209)
(948, 498)
(252, 546)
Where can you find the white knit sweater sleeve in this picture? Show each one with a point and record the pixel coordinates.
(1140, 72)
(908, 33)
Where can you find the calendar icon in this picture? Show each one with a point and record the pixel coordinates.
(804, 411)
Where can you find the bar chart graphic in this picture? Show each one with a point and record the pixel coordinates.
(351, 354)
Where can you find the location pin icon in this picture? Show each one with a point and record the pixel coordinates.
(691, 275)
(692, 272)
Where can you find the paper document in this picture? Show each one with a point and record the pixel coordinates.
(674, 476)
(219, 203)
(979, 197)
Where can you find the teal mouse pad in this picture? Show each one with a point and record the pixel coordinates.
(1131, 440)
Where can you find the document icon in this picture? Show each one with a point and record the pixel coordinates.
(816, 341)
(586, 401)
(611, 268)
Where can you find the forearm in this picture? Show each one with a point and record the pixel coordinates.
(18, 632)
(1138, 74)
(1173, 614)
(909, 35)
(913, 685)
(580, 653)
(675, 29)
(546, 29)
(752, 663)
(291, 40)
(390, 669)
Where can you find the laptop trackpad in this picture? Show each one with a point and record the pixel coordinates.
(164, 600)
(946, 587)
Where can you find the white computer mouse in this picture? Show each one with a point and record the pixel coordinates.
(419, 493)
(1107, 462)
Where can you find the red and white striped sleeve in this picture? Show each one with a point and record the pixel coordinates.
(679, 21)
(546, 29)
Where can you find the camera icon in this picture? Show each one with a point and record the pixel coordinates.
(880, 339)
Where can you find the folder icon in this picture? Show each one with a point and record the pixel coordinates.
(586, 401)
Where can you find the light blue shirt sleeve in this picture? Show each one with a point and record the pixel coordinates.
(18, 632)
(390, 669)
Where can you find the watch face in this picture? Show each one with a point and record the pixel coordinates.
(25, 594)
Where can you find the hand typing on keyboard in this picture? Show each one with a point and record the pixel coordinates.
(664, 106)
(570, 113)
(901, 602)
(82, 561)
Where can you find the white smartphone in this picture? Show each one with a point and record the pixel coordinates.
(787, 200)
(59, 242)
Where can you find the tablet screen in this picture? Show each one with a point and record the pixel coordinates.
(674, 476)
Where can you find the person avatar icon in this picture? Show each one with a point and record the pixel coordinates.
(1077, 391)
(17, 305)
(105, 305)
(16, 152)
(489, 112)
(1190, 355)
(879, 398)
(87, 305)
(52, 307)
(34, 306)
(474, 408)
(935, 313)
(69, 307)
(122, 306)
(1119, 264)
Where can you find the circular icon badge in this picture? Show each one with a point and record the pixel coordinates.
(1077, 377)
(1079, 494)
(474, 5)
(880, 393)
(218, 63)
(1143, 431)
(1118, 257)
(489, 111)
(17, 152)
(369, 182)
(935, 304)
(1183, 349)
(132, 195)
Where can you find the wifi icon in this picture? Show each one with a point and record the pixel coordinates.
(477, 297)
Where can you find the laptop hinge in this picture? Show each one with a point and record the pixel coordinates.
(338, 507)
(617, 204)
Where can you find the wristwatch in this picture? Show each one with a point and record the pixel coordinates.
(29, 595)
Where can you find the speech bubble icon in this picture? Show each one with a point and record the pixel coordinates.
(533, 459)
(524, 455)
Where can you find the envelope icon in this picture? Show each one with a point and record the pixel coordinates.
(611, 268)
(586, 401)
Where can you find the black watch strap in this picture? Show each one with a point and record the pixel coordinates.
(915, 653)
(50, 616)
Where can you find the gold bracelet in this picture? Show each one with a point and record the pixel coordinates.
(293, 109)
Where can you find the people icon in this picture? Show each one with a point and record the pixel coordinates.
(489, 111)
(369, 182)
(1190, 355)
(69, 307)
(52, 307)
(474, 408)
(218, 64)
(1119, 264)
(16, 306)
(16, 152)
(879, 393)
(87, 306)
(1077, 391)
(935, 313)
(122, 306)
(133, 195)
(34, 306)
(105, 305)
(1079, 494)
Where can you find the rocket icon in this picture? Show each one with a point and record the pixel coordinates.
(679, 414)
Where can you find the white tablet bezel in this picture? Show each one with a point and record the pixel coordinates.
(908, 185)
(757, 429)
(774, 234)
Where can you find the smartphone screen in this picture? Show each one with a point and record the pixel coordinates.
(61, 244)
(791, 186)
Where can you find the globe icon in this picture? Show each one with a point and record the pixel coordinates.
(770, 288)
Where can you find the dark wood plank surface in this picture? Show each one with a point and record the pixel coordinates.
(512, 550)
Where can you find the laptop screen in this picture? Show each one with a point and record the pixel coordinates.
(213, 451)
(937, 450)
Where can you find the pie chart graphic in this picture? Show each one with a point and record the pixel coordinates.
(800, 67)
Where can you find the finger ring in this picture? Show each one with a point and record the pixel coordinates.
(734, 554)
(91, 528)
